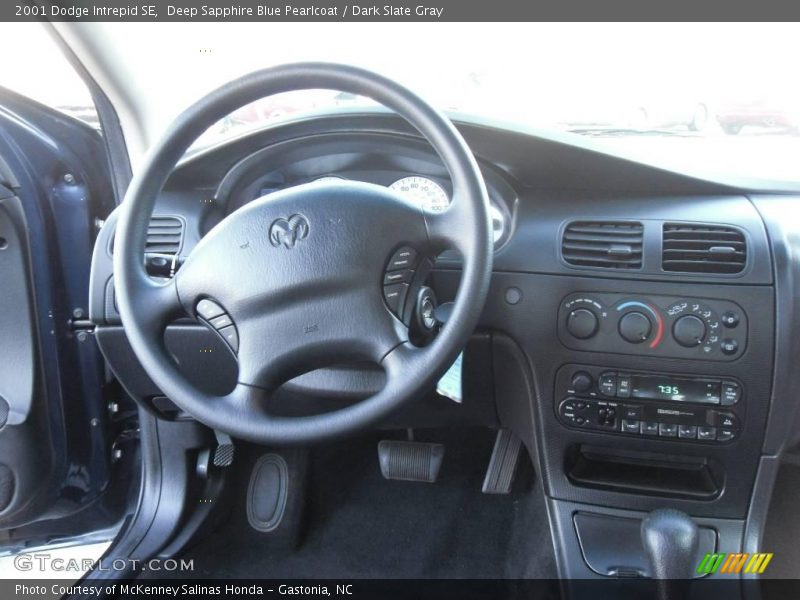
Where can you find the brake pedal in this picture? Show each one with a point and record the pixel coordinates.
(410, 461)
(503, 465)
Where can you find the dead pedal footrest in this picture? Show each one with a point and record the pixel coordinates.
(410, 461)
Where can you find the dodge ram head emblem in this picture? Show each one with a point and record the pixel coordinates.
(288, 231)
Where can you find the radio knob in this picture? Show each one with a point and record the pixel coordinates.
(635, 327)
(582, 323)
(582, 382)
(689, 331)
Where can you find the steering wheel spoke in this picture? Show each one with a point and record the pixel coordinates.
(160, 304)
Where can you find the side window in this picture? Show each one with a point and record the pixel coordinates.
(34, 66)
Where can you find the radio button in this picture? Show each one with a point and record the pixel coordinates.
(667, 430)
(629, 426)
(648, 428)
(582, 382)
(608, 384)
(725, 435)
(632, 411)
(706, 433)
(731, 393)
(723, 419)
(623, 386)
(687, 432)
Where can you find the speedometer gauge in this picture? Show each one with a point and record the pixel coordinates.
(425, 191)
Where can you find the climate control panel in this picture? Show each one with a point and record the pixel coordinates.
(698, 328)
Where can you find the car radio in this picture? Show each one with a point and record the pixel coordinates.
(666, 406)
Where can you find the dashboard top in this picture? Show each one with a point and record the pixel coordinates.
(538, 187)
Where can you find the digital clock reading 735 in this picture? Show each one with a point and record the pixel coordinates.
(670, 390)
(675, 389)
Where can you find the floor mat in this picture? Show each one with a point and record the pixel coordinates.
(359, 525)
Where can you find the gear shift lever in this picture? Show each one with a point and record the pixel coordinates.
(670, 540)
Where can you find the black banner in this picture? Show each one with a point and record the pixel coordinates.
(398, 10)
(709, 588)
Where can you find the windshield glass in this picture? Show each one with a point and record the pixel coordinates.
(721, 98)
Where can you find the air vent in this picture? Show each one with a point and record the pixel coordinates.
(164, 235)
(694, 248)
(605, 244)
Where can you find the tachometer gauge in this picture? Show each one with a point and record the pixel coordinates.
(426, 191)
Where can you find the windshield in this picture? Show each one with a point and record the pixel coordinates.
(722, 98)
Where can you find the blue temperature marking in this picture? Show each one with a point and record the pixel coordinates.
(634, 303)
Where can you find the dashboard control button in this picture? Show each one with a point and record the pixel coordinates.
(395, 296)
(582, 381)
(730, 319)
(687, 432)
(729, 346)
(582, 323)
(706, 433)
(230, 335)
(635, 327)
(403, 276)
(209, 309)
(725, 435)
(623, 386)
(667, 430)
(731, 393)
(630, 426)
(689, 331)
(221, 321)
(723, 419)
(580, 405)
(648, 428)
(608, 384)
(632, 411)
(404, 258)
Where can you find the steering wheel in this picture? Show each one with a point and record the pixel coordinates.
(300, 273)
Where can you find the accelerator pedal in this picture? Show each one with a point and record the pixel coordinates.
(223, 453)
(410, 461)
(503, 464)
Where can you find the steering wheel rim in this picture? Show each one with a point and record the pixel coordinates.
(146, 307)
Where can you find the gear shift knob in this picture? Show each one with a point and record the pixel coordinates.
(670, 539)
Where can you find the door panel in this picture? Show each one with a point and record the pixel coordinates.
(55, 458)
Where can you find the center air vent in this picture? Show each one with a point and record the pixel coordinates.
(606, 244)
(695, 248)
(164, 235)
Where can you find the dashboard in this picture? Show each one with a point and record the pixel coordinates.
(638, 335)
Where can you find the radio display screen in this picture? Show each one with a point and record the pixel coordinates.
(652, 387)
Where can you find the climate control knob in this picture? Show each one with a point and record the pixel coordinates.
(635, 327)
(689, 331)
(582, 323)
